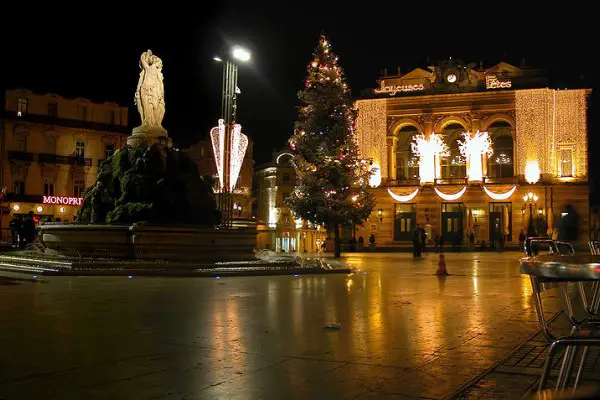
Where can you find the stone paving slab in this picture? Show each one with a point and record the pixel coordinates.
(518, 374)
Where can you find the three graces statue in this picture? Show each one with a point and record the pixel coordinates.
(150, 93)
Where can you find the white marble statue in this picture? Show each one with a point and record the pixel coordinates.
(150, 93)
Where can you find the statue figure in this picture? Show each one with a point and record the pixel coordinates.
(150, 92)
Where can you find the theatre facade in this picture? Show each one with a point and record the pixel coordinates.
(462, 150)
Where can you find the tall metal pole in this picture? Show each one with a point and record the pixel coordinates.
(228, 109)
(531, 231)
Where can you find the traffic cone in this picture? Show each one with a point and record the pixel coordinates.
(441, 268)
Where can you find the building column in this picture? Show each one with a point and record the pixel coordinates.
(427, 128)
(391, 149)
(476, 125)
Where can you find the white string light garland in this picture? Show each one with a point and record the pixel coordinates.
(405, 198)
(500, 196)
(451, 197)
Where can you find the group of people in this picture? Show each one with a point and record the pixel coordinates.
(420, 239)
(23, 230)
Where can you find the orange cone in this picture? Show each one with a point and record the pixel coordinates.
(441, 268)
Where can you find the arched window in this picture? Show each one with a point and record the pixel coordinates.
(455, 165)
(407, 164)
(501, 163)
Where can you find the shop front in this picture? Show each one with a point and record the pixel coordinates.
(44, 208)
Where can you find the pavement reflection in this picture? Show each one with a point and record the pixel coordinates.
(402, 331)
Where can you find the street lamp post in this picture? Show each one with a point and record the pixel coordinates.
(228, 113)
(529, 199)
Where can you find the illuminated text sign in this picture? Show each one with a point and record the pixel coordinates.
(71, 201)
(492, 82)
(393, 89)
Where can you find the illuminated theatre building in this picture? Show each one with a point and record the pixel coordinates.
(466, 150)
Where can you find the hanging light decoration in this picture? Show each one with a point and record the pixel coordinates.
(427, 148)
(375, 178)
(239, 144)
(473, 148)
(451, 197)
(403, 199)
(371, 129)
(532, 172)
(500, 196)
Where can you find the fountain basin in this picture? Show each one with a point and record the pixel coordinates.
(151, 242)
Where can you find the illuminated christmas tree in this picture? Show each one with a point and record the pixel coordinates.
(332, 179)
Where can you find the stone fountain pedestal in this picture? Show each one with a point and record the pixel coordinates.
(146, 136)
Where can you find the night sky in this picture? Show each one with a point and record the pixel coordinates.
(95, 54)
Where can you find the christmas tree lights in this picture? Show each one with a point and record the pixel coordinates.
(332, 178)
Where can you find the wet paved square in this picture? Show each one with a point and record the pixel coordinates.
(404, 333)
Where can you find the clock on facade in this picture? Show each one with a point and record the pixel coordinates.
(451, 78)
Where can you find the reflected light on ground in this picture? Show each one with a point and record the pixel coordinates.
(526, 291)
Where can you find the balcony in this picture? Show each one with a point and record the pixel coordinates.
(71, 123)
(21, 197)
(404, 182)
(455, 181)
(47, 158)
(505, 180)
(20, 156)
(451, 181)
(70, 160)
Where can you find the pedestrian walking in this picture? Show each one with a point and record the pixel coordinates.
(436, 242)
(455, 242)
(422, 240)
(522, 238)
(501, 243)
(28, 230)
(15, 226)
(416, 242)
(442, 239)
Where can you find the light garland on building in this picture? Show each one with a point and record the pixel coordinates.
(272, 202)
(534, 119)
(473, 148)
(570, 131)
(451, 197)
(547, 121)
(405, 198)
(239, 144)
(500, 196)
(427, 148)
(371, 132)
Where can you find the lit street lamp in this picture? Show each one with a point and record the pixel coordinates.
(530, 198)
(226, 147)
